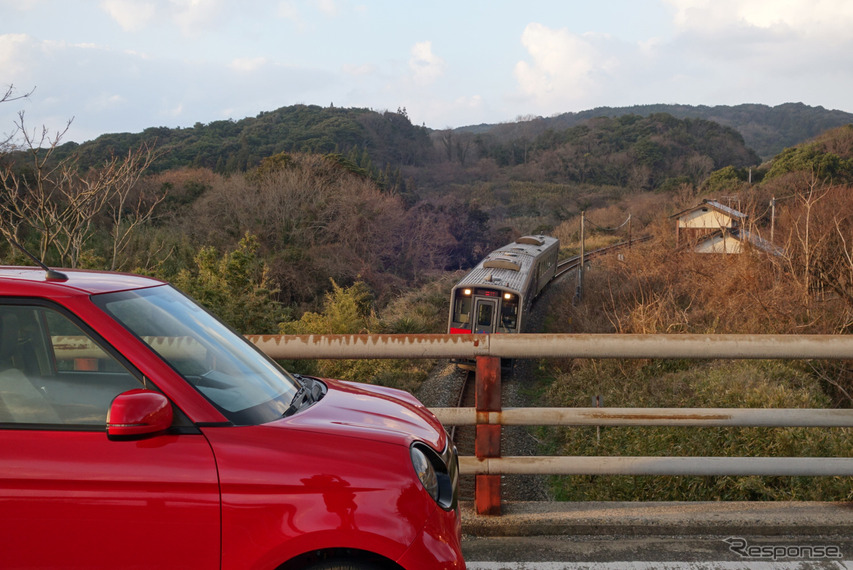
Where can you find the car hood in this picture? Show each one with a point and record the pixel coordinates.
(367, 411)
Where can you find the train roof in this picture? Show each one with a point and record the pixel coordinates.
(509, 267)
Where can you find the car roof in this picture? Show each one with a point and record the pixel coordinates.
(34, 280)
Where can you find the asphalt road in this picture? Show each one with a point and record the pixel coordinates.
(695, 536)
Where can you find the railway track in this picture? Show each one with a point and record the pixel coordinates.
(572, 263)
(463, 436)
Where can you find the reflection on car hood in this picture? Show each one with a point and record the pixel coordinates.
(376, 412)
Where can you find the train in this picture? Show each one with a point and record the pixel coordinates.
(496, 295)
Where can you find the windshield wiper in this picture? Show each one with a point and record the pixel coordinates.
(310, 391)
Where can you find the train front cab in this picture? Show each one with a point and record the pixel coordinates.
(480, 310)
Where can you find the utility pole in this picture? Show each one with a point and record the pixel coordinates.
(629, 230)
(772, 217)
(579, 294)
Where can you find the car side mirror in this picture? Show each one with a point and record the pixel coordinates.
(138, 413)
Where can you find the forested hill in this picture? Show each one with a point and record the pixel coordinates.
(230, 146)
(381, 143)
(767, 130)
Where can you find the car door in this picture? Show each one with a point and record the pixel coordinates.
(69, 496)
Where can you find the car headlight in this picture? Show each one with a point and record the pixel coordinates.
(437, 472)
(425, 471)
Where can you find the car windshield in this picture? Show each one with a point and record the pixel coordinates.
(245, 385)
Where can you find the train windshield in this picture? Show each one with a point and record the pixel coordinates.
(509, 315)
(462, 309)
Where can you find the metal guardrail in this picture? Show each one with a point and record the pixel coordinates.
(719, 466)
(488, 416)
(287, 347)
(696, 417)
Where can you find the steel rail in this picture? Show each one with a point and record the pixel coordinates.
(572, 263)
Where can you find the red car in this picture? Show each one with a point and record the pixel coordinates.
(140, 432)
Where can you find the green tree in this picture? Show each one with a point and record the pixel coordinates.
(725, 180)
(349, 310)
(346, 310)
(814, 159)
(236, 287)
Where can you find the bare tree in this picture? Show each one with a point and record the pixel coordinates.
(30, 203)
(446, 140)
(127, 212)
(803, 241)
(818, 224)
(9, 95)
(60, 203)
(463, 146)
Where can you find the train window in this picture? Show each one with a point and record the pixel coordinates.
(509, 315)
(462, 310)
(484, 315)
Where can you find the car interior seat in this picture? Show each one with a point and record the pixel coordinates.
(21, 401)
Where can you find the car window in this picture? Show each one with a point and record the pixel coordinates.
(54, 373)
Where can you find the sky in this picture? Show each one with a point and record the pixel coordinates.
(113, 66)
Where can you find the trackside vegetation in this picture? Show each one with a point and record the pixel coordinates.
(735, 384)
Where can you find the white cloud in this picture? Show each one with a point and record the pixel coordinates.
(192, 17)
(195, 16)
(131, 15)
(327, 7)
(289, 10)
(812, 18)
(248, 64)
(425, 66)
(563, 67)
(719, 52)
(13, 50)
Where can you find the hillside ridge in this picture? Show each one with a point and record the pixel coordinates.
(765, 129)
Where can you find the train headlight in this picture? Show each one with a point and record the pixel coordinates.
(508, 296)
(466, 291)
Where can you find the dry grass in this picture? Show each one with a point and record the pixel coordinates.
(654, 289)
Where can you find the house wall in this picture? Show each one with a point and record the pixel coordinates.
(720, 244)
(706, 218)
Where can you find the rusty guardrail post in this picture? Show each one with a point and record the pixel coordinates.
(487, 444)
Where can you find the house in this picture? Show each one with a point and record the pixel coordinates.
(712, 227)
(707, 218)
